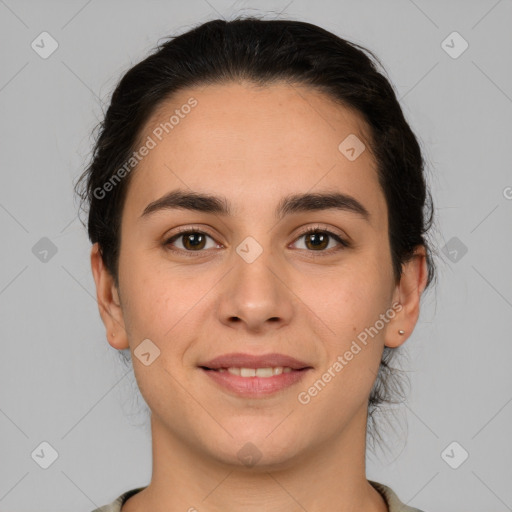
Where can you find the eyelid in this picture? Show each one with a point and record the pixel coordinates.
(323, 228)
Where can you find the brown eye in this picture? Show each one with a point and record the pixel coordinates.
(191, 241)
(194, 241)
(317, 240)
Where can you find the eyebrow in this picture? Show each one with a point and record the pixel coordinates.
(293, 203)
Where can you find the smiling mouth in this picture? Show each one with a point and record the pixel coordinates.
(254, 382)
(254, 372)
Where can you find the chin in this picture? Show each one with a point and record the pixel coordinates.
(257, 450)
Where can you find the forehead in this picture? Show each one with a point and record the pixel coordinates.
(252, 143)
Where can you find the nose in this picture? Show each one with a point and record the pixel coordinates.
(255, 296)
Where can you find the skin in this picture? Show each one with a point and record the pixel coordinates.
(254, 146)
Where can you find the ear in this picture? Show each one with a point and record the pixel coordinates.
(408, 293)
(109, 304)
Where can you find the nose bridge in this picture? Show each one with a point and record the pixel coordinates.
(253, 262)
(254, 292)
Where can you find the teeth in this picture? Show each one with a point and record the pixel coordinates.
(257, 372)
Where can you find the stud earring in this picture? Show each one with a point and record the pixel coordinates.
(401, 332)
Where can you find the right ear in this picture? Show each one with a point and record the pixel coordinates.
(109, 304)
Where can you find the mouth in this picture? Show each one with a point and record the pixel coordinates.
(263, 373)
(249, 361)
(254, 382)
(254, 376)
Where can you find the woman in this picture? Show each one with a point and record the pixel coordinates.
(257, 212)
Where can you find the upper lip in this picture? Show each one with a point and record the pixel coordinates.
(239, 360)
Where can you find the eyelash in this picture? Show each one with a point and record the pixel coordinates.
(315, 229)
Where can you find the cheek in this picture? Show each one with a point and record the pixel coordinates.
(145, 297)
(353, 345)
(350, 304)
(162, 304)
(349, 297)
(156, 309)
(154, 306)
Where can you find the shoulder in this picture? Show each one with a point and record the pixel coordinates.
(392, 500)
(116, 505)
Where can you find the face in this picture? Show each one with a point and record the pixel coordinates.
(251, 281)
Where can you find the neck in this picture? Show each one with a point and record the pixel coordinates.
(329, 478)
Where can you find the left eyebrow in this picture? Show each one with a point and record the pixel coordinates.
(293, 203)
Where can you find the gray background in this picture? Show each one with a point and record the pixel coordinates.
(60, 380)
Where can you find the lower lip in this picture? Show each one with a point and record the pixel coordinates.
(255, 387)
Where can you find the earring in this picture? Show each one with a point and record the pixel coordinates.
(113, 334)
(401, 332)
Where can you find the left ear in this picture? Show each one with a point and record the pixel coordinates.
(408, 293)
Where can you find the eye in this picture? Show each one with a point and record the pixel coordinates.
(192, 240)
(317, 240)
